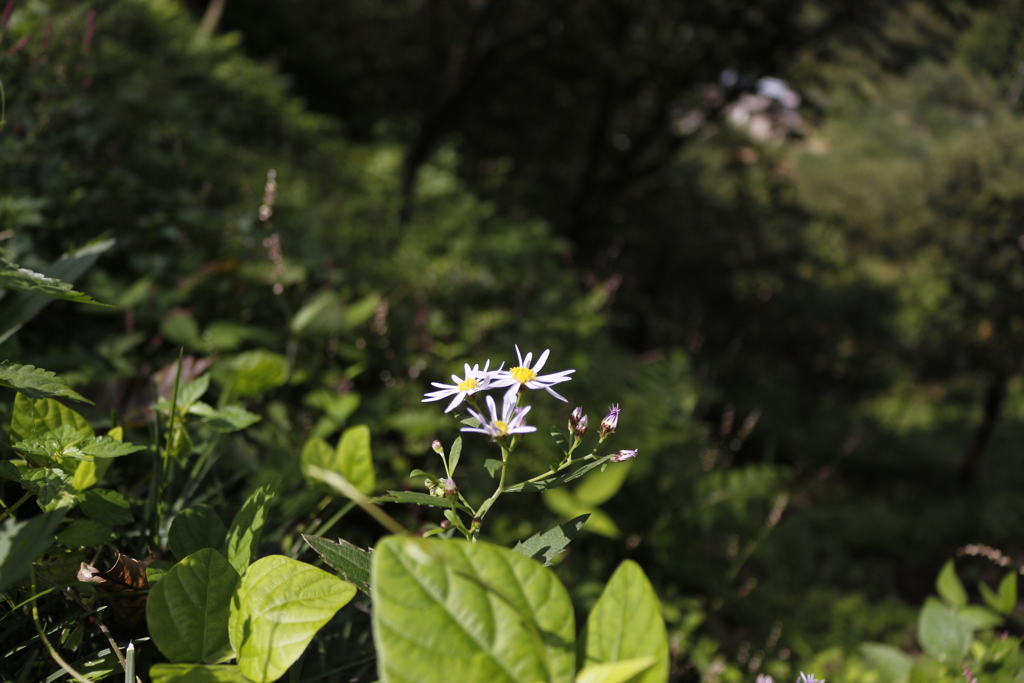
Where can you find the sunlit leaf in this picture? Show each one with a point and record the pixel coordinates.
(626, 623)
(547, 545)
(247, 527)
(352, 562)
(36, 382)
(279, 606)
(942, 634)
(495, 615)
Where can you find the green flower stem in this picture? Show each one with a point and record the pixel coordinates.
(563, 466)
(501, 484)
(21, 501)
(42, 636)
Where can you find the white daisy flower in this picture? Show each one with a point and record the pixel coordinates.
(474, 381)
(523, 375)
(510, 422)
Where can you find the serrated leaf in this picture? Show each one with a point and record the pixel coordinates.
(547, 545)
(454, 455)
(279, 606)
(190, 392)
(891, 662)
(105, 447)
(626, 623)
(352, 562)
(417, 498)
(21, 543)
(24, 280)
(105, 506)
(615, 672)
(196, 528)
(247, 527)
(197, 673)
(36, 418)
(48, 483)
(188, 610)
(36, 382)
(561, 479)
(22, 306)
(85, 532)
(496, 616)
(942, 634)
(90, 472)
(559, 438)
(949, 586)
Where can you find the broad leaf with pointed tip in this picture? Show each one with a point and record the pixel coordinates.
(626, 623)
(247, 527)
(188, 609)
(448, 611)
(278, 608)
(196, 528)
(36, 382)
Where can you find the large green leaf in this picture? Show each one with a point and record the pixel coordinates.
(36, 382)
(188, 609)
(196, 528)
(547, 545)
(197, 673)
(256, 372)
(626, 623)
(35, 418)
(278, 608)
(105, 447)
(448, 611)
(353, 563)
(890, 662)
(247, 527)
(351, 459)
(942, 634)
(1006, 600)
(21, 543)
(84, 532)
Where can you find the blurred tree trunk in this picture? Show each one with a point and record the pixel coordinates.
(995, 396)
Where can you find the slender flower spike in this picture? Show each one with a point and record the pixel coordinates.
(809, 678)
(523, 375)
(610, 422)
(625, 455)
(511, 420)
(474, 381)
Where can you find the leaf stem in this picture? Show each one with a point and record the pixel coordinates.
(42, 635)
(9, 511)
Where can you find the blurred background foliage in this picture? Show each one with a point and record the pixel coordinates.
(786, 236)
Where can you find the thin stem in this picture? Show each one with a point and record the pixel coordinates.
(9, 511)
(3, 107)
(42, 635)
(501, 484)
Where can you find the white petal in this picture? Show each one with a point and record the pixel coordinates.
(540, 361)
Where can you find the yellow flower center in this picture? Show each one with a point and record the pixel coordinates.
(467, 384)
(522, 375)
(501, 426)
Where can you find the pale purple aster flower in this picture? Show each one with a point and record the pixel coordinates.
(809, 678)
(523, 375)
(511, 420)
(764, 678)
(474, 381)
(625, 455)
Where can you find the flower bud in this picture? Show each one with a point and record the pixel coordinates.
(450, 489)
(445, 524)
(574, 418)
(581, 428)
(625, 455)
(610, 422)
(438, 447)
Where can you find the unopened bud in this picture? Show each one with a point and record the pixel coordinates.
(610, 421)
(438, 447)
(574, 418)
(625, 455)
(445, 524)
(477, 523)
(450, 489)
(581, 428)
